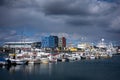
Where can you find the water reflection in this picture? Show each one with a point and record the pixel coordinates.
(102, 69)
(31, 68)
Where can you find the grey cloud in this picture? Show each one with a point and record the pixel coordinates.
(111, 1)
(91, 18)
(78, 7)
(64, 8)
(79, 11)
(20, 3)
(7, 35)
(80, 22)
(1, 2)
(92, 21)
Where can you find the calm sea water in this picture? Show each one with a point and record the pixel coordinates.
(101, 69)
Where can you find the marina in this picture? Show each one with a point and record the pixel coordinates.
(30, 61)
(59, 39)
(38, 56)
(100, 69)
(86, 63)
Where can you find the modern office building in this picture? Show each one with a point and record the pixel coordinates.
(45, 42)
(62, 42)
(50, 42)
(56, 41)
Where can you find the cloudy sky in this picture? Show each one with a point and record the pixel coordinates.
(77, 20)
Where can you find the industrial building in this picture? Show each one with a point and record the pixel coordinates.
(22, 44)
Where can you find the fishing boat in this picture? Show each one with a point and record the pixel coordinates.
(102, 44)
(18, 61)
(76, 56)
(92, 56)
(83, 56)
(44, 60)
(3, 61)
(52, 58)
(34, 61)
(106, 50)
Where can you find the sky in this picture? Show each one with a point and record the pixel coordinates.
(77, 20)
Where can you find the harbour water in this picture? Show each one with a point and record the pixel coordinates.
(98, 69)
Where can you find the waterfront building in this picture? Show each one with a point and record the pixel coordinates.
(73, 49)
(83, 45)
(62, 42)
(45, 42)
(36, 45)
(50, 42)
(56, 41)
(20, 44)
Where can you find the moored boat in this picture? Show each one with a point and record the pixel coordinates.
(18, 61)
(92, 56)
(44, 60)
(3, 61)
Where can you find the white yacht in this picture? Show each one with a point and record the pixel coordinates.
(102, 44)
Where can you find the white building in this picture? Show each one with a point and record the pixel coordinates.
(83, 45)
(18, 44)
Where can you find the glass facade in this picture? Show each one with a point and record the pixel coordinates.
(50, 42)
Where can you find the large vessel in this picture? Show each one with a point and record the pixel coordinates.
(102, 44)
(106, 49)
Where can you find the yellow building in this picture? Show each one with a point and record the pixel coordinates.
(73, 49)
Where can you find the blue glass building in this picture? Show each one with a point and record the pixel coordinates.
(50, 42)
(45, 42)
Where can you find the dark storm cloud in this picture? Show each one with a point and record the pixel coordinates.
(77, 7)
(88, 21)
(90, 16)
(68, 7)
(83, 17)
(111, 1)
(7, 35)
(79, 22)
(116, 32)
(2, 2)
(83, 13)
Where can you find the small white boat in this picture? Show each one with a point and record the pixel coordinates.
(52, 58)
(70, 58)
(18, 61)
(92, 56)
(44, 60)
(104, 55)
(34, 61)
(76, 56)
(3, 61)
